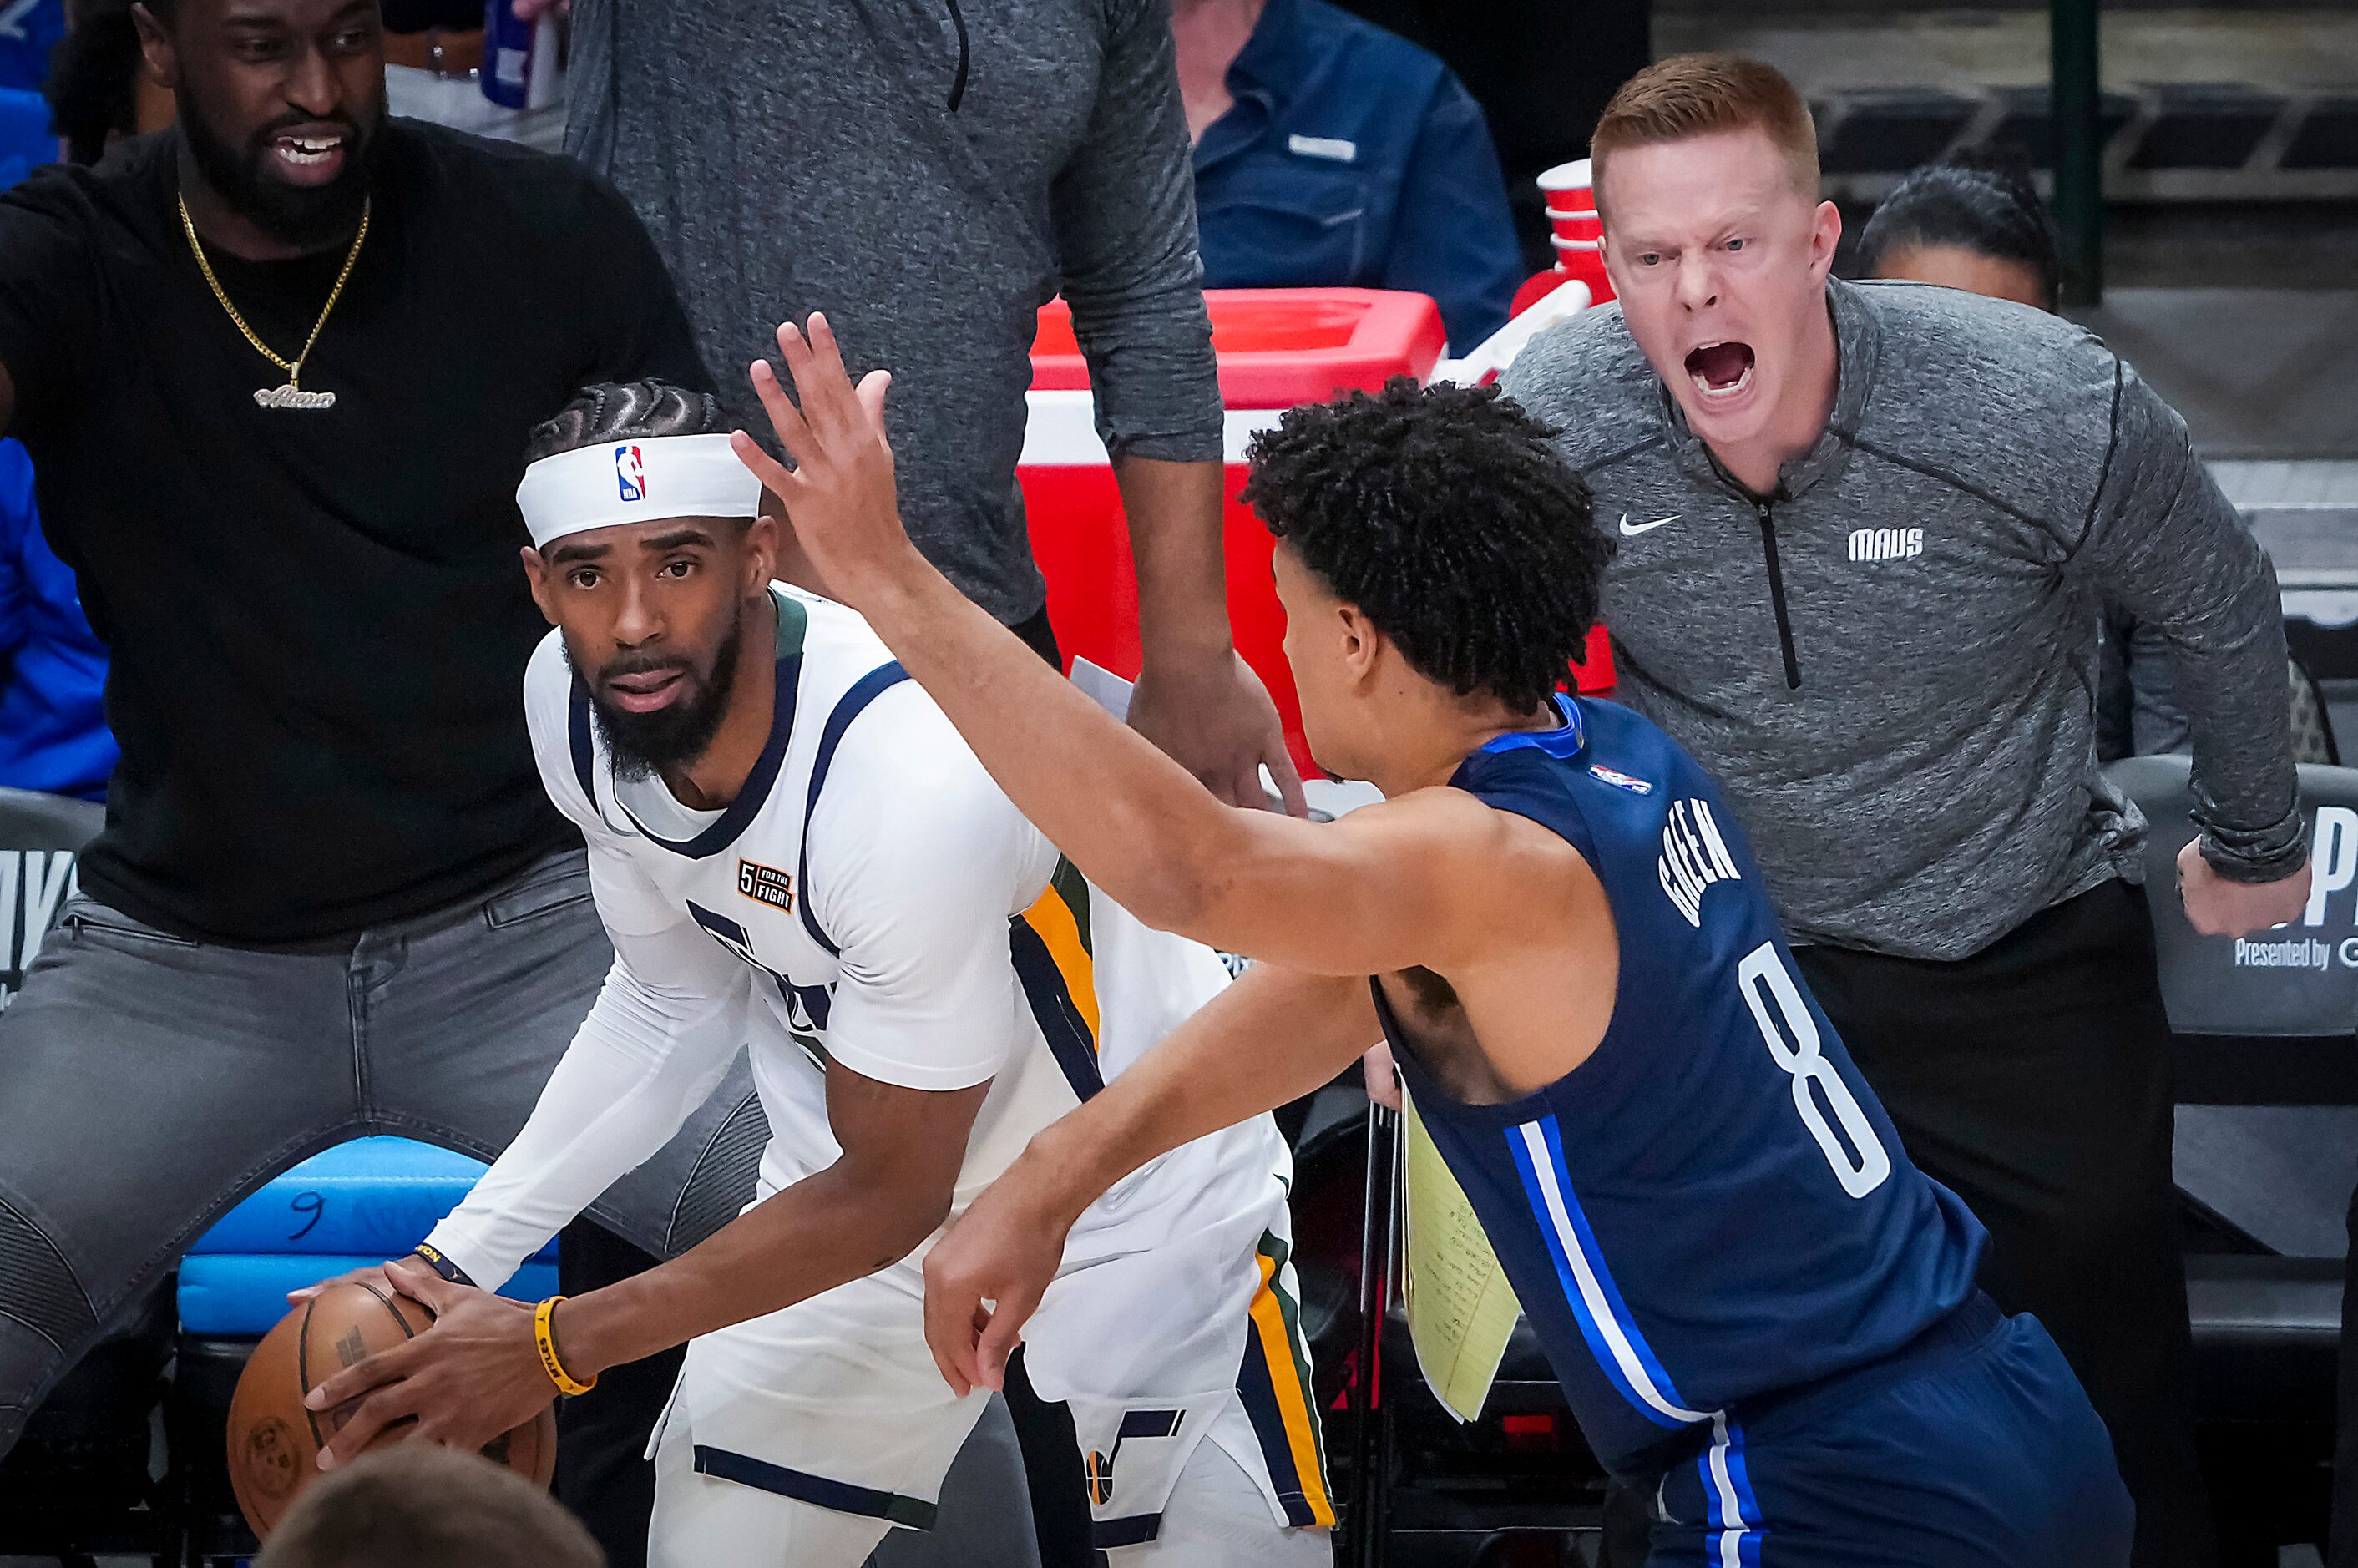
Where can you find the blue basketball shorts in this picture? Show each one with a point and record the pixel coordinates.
(1974, 1446)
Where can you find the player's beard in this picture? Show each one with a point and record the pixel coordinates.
(675, 735)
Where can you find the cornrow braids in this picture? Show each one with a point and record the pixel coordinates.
(627, 410)
(1444, 515)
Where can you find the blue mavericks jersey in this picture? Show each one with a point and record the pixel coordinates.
(1713, 1206)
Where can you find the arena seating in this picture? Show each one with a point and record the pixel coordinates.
(2265, 1033)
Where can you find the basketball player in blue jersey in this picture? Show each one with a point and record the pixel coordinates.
(1762, 1314)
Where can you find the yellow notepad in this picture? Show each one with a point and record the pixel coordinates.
(1461, 1311)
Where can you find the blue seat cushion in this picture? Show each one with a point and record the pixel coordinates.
(245, 1292)
(357, 1204)
(373, 1196)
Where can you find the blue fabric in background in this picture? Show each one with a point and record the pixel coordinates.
(1354, 159)
(30, 29)
(53, 733)
(25, 140)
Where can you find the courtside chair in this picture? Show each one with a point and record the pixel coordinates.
(2264, 1041)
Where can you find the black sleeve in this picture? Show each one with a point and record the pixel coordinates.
(48, 296)
(642, 332)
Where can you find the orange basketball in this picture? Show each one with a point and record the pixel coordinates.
(274, 1443)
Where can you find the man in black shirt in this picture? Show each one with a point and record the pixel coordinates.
(277, 370)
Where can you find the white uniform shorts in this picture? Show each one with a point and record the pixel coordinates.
(802, 1436)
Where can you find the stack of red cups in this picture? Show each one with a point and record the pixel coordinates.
(1576, 233)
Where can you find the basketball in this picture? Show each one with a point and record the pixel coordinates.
(274, 1443)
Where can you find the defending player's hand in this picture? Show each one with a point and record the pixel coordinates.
(839, 496)
(474, 1373)
(985, 1278)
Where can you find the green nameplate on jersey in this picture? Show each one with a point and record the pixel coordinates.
(1461, 1311)
(794, 620)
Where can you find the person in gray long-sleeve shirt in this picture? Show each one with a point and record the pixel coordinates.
(1865, 533)
(928, 175)
(929, 180)
(1914, 668)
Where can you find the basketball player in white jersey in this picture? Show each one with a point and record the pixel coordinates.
(791, 846)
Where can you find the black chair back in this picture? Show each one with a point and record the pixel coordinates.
(2264, 1037)
(2269, 1018)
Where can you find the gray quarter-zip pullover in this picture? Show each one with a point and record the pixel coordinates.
(1890, 663)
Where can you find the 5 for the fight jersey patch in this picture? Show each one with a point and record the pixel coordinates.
(766, 884)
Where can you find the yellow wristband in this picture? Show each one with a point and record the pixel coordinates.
(545, 1338)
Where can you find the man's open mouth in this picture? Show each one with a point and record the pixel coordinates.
(1720, 369)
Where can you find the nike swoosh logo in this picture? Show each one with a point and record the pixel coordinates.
(1629, 531)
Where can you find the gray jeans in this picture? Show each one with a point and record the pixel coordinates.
(149, 1083)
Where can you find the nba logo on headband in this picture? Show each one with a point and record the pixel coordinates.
(609, 486)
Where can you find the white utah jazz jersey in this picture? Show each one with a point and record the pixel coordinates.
(895, 914)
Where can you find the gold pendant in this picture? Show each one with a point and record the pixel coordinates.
(292, 396)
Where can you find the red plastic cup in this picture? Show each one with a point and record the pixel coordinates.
(1569, 187)
(1576, 226)
(1583, 259)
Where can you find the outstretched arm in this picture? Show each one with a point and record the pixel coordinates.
(1274, 1035)
(1386, 887)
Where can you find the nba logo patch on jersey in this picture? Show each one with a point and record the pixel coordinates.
(1621, 781)
(631, 473)
(766, 884)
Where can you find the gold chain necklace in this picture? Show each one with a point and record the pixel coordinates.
(290, 395)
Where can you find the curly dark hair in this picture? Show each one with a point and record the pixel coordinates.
(1447, 517)
(622, 411)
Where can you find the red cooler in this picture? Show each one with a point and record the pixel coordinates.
(1277, 348)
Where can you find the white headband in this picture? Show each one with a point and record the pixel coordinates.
(643, 479)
